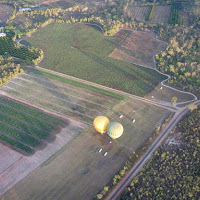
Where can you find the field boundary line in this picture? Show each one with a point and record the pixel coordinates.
(38, 99)
(106, 88)
(70, 102)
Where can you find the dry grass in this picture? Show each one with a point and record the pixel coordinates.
(5, 12)
(139, 48)
(165, 95)
(14, 166)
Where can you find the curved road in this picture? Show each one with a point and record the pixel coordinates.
(155, 68)
(133, 172)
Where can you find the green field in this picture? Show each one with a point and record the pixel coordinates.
(25, 128)
(82, 51)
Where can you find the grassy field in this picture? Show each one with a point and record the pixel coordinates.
(78, 166)
(26, 128)
(5, 12)
(165, 95)
(82, 51)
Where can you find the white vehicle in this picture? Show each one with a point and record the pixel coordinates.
(100, 150)
(133, 120)
(105, 154)
(161, 88)
(120, 116)
(152, 97)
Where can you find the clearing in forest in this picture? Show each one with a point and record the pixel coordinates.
(161, 14)
(138, 12)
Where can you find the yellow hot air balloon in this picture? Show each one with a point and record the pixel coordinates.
(115, 130)
(100, 124)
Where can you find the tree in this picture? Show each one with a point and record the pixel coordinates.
(174, 100)
(99, 196)
(192, 107)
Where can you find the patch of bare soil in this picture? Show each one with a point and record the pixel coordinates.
(5, 12)
(14, 166)
(139, 48)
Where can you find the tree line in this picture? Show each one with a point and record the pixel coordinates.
(173, 172)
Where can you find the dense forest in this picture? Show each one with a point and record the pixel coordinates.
(174, 170)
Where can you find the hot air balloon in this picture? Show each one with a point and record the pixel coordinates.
(115, 130)
(100, 124)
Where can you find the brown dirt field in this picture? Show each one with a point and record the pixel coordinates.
(139, 48)
(5, 12)
(14, 166)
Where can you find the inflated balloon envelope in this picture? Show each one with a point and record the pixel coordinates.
(115, 130)
(100, 124)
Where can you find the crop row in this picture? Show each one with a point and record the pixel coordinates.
(34, 112)
(16, 144)
(19, 135)
(174, 15)
(45, 125)
(150, 12)
(140, 13)
(26, 128)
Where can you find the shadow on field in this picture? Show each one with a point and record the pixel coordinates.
(56, 92)
(145, 85)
